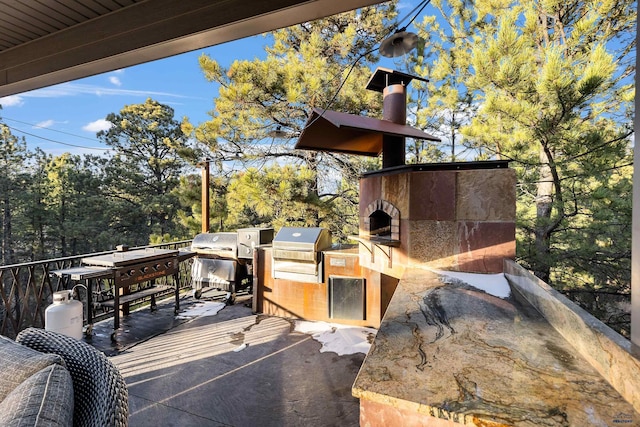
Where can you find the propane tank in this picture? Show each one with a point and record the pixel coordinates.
(64, 315)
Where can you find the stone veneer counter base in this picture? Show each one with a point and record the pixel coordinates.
(449, 354)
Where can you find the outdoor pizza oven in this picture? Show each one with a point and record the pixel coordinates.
(297, 253)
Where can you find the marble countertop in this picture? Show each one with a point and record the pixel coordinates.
(453, 351)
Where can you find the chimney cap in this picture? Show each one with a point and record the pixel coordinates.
(384, 77)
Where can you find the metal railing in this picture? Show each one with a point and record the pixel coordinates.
(26, 289)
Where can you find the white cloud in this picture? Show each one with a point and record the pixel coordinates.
(11, 101)
(114, 80)
(97, 126)
(402, 5)
(73, 89)
(44, 124)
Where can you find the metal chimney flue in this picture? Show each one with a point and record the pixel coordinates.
(393, 86)
(394, 103)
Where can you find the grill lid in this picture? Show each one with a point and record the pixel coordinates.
(311, 239)
(221, 244)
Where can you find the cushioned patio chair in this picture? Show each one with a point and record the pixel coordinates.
(100, 393)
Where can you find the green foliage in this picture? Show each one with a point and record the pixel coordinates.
(304, 67)
(278, 196)
(12, 156)
(275, 196)
(546, 84)
(189, 193)
(68, 204)
(444, 104)
(73, 199)
(149, 157)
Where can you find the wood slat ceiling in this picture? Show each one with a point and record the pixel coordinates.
(22, 21)
(45, 42)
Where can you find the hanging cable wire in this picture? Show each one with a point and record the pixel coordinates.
(391, 30)
(48, 128)
(388, 32)
(421, 6)
(54, 141)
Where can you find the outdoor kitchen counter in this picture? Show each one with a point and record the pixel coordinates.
(457, 353)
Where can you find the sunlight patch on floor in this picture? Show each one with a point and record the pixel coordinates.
(184, 345)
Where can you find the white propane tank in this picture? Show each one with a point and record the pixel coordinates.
(64, 315)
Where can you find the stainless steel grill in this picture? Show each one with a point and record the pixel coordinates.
(216, 264)
(297, 253)
(213, 271)
(221, 245)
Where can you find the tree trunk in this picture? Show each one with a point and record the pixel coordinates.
(7, 257)
(313, 218)
(542, 230)
(63, 234)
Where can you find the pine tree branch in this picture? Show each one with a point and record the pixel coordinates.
(594, 292)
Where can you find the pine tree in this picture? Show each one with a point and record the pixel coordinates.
(550, 88)
(149, 157)
(263, 104)
(12, 156)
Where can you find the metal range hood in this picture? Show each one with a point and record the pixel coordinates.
(333, 131)
(351, 134)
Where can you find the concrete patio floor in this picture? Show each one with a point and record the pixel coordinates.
(233, 368)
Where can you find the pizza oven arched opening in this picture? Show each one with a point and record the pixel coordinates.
(380, 225)
(382, 221)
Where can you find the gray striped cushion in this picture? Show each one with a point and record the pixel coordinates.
(45, 399)
(19, 363)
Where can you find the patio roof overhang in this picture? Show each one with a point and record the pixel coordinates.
(333, 131)
(46, 43)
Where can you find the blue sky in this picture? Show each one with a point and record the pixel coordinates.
(73, 112)
(66, 117)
